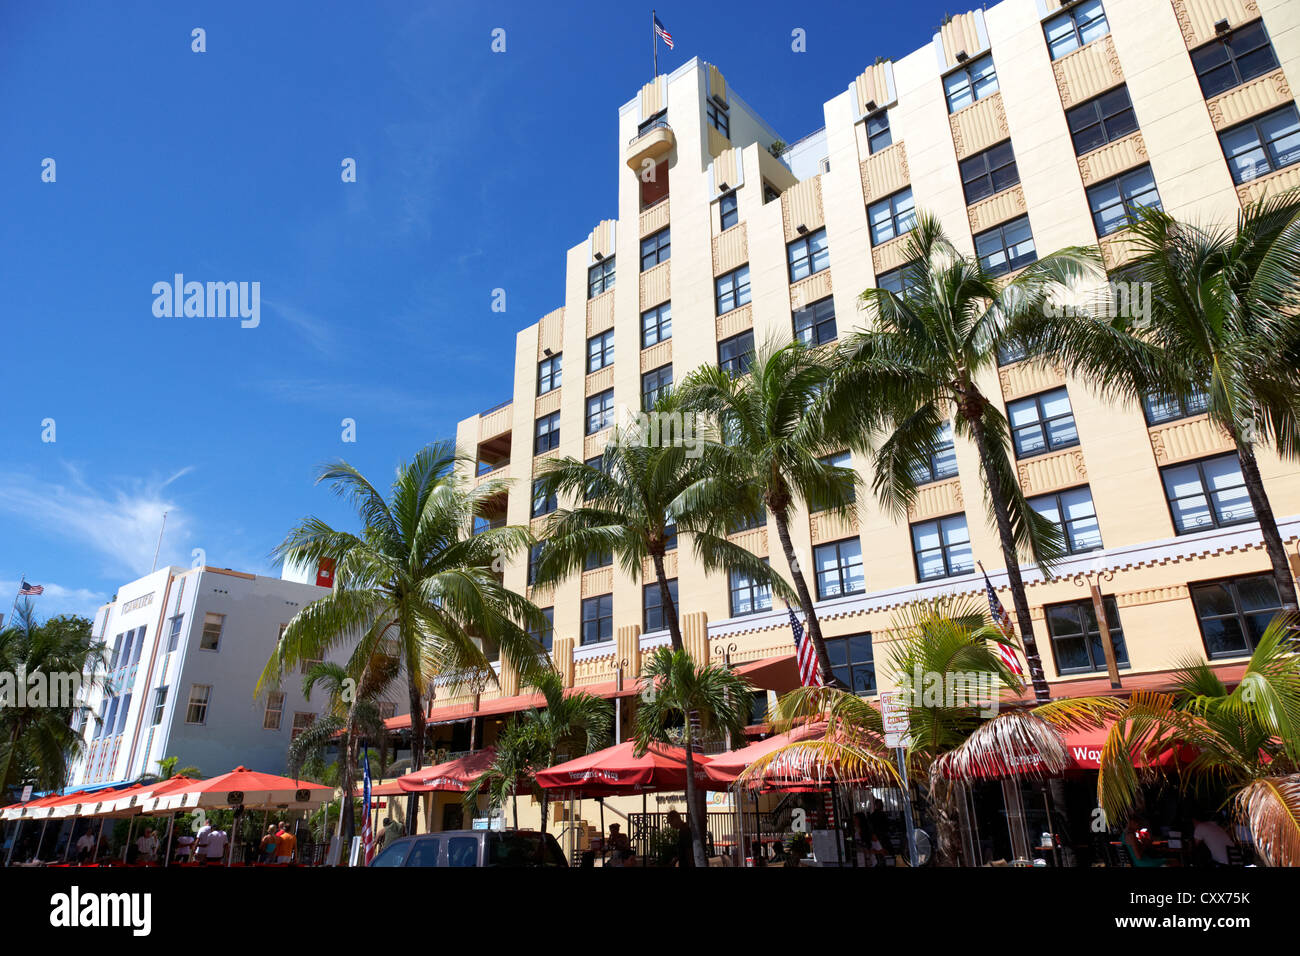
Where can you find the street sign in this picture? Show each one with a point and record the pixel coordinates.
(893, 708)
(27, 793)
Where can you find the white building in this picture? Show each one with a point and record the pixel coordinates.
(187, 646)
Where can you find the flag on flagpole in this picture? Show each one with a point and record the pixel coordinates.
(1002, 621)
(31, 589)
(367, 837)
(663, 34)
(805, 654)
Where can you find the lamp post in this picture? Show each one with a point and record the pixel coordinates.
(1092, 578)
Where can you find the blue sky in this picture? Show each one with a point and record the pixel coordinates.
(375, 295)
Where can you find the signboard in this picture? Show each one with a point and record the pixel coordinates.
(893, 709)
(27, 793)
(325, 573)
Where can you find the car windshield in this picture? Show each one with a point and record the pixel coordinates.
(425, 853)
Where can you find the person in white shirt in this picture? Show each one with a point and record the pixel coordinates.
(184, 846)
(85, 847)
(146, 847)
(216, 847)
(1215, 838)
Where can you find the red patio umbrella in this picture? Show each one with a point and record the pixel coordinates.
(723, 769)
(249, 788)
(451, 776)
(616, 770)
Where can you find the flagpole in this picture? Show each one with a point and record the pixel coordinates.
(21, 578)
(654, 41)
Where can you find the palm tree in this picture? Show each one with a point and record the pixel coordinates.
(351, 716)
(1245, 741)
(168, 767)
(709, 699)
(519, 752)
(570, 722)
(942, 642)
(775, 439)
(1222, 333)
(918, 365)
(37, 741)
(650, 487)
(415, 582)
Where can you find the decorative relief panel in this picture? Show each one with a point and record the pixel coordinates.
(940, 498)
(979, 126)
(1113, 159)
(1249, 99)
(1029, 377)
(1051, 472)
(801, 204)
(656, 285)
(828, 526)
(1196, 18)
(885, 172)
(600, 312)
(730, 249)
(734, 322)
(1090, 70)
(811, 289)
(1188, 438)
(661, 353)
(654, 218)
(1000, 207)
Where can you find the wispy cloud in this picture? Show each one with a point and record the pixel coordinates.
(314, 330)
(57, 599)
(346, 398)
(116, 520)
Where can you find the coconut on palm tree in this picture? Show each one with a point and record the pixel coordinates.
(687, 703)
(650, 487)
(775, 442)
(918, 364)
(414, 583)
(1217, 330)
(1244, 741)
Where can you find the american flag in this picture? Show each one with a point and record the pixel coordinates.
(663, 34)
(805, 653)
(367, 838)
(1002, 621)
(32, 589)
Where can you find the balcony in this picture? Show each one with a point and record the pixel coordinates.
(653, 143)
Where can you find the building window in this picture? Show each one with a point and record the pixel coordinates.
(546, 433)
(736, 353)
(274, 710)
(1231, 60)
(893, 216)
(534, 556)
(139, 645)
(600, 411)
(731, 290)
(728, 211)
(1117, 202)
(989, 172)
(839, 460)
(545, 636)
(543, 504)
(598, 619)
(942, 463)
(1007, 247)
(307, 662)
(1042, 423)
(600, 277)
(1101, 120)
(1078, 26)
(1234, 613)
(718, 117)
(656, 249)
(808, 254)
(594, 560)
(839, 568)
(212, 627)
(600, 351)
(197, 711)
(159, 705)
(1159, 408)
(942, 548)
(972, 81)
(1263, 145)
(656, 325)
(747, 522)
(815, 325)
(899, 281)
(659, 119)
(878, 134)
(301, 722)
(655, 384)
(852, 661)
(123, 712)
(549, 373)
(1076, 638)
(1011, 352)
(770, 193)
(1072, 511)
(1207, 494)
(652, 617)
(747, 595)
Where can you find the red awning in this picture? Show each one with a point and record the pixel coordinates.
(453, 776)
(510, 705)
(724, 768)
(616, 770)
(390, 789)
(771, 673)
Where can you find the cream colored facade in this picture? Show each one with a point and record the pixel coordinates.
(831, 180)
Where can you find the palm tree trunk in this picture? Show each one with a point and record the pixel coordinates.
(666, 599)
(997, 497)
(347, 818)
(545, 806)
(417, 749)
(1267, 525)
(692, 811)
(805, 598)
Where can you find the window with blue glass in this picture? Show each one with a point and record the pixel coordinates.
(940, 462)
(1117, 202)
(736, 353)
(1007, 247)
(815, 325)
(853, 662)
(892, 216)
(838, 567)
(808, 255)
(656, 249)
(1042, 423)
(971, 82)
(1234, 58)
(1073, 512)
(656, 325)
(1076, 637)
(1263, 145)
(941, 548)
(1206, 494)
(731, 290)
(653, 617)
(1076, 27)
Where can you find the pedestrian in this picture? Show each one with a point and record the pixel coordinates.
(85, 846)
(201, 840)
(286, 844)
(184, 848)
(392, 830)
(146, 847)
(269, 844)
(618, 844)
(216, 846)
(1210, 839)
(685, 842)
